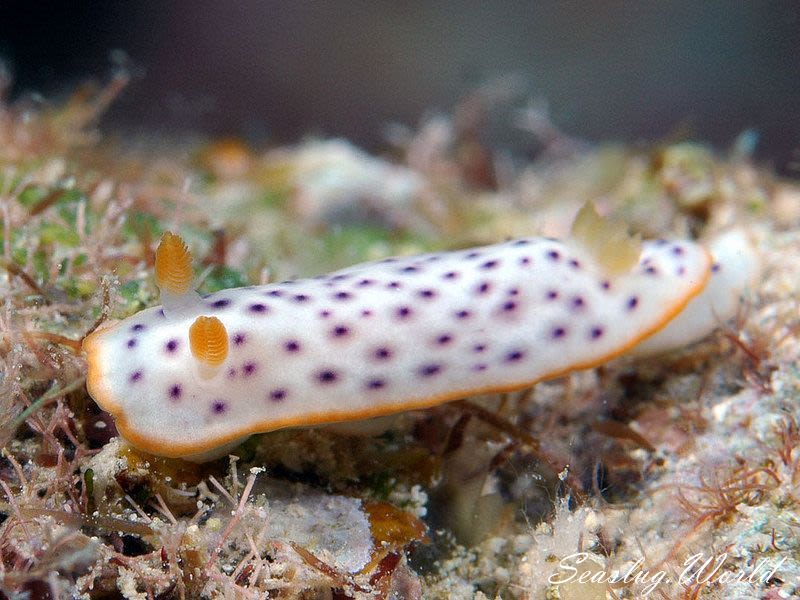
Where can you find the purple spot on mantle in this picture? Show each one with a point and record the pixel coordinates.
(342, 295)
(462, 314)
(515, 356)
(218, 407)
(277, 395)
(578, 303)
(382, 353)
(239, 339)
(596, 332)
(249, 368)
(426, 294)
(558, 332)
(633, 302)
(429, 370)
(327, 376)
(131, 343)
(403, 312)
(220, 303)
(137, 327)
(376, 384)
(292, 346)
(135, 376)
(301, 298)
(171, 346)
(175, 391)
(483, 288)
(553, 255)
(259, 308)
(340, 331)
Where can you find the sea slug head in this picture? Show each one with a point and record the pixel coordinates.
(165, 367)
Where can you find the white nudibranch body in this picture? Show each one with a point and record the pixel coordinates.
(380, 338)
(735, 271)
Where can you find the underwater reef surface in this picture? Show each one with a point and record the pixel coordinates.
(671, 476)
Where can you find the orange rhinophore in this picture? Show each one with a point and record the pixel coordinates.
(208, 340)
(173, 265)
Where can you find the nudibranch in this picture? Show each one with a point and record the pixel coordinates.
(198, 374)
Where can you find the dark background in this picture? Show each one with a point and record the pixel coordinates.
(274, 71)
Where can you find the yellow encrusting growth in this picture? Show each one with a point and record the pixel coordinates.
(614, 248)
(208, 340)
(173, 264)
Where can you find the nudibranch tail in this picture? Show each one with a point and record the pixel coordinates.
(735, 271)
(208, 340)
